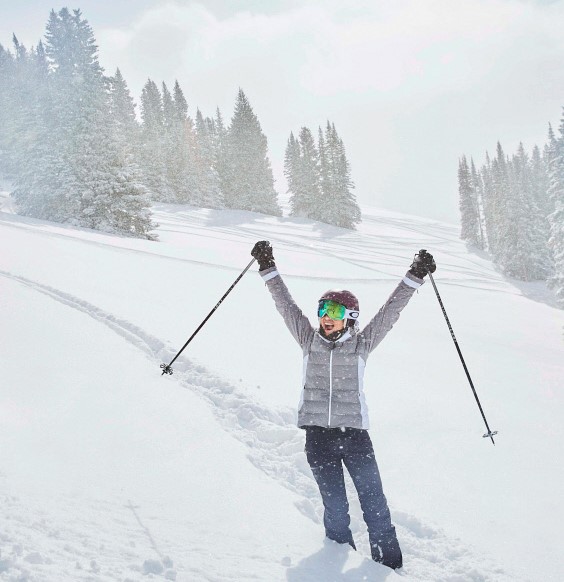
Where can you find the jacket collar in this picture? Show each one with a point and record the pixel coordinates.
(347, 335)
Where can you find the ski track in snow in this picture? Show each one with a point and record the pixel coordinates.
(275, 446)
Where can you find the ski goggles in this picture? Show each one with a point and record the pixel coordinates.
(335, 310)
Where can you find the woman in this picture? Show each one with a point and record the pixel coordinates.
(332, 409)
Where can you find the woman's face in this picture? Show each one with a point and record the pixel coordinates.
(331, 325)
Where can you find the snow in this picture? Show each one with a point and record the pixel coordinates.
(110, 471)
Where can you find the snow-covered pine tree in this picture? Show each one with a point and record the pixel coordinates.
(468, 204)
(486, 176)
(339, 206)
(302, 172)
(247, 182)
(68, 143)
(325, 177)
(556, 218)
(539, 189)
(23, 109)
(176, 145)
(8, 101)
(291, 163)
(220, 134)
(123, 204)
(498, 196)
(107, 182)
(153, 154)
(170, 116)
(308, 198)
(478, 186)
(220, 164)
(122, 108)
(522, 251)
(205, 161)
(76, 171)
(540, 183)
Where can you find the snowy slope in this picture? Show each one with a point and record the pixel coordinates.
(109, 471)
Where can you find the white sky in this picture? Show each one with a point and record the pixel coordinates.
(410, 84)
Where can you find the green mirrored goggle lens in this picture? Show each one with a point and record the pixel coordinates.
(331, 308)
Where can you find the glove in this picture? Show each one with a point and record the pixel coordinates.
(262, 252)
(423, 263)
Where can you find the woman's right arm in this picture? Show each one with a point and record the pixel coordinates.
(298, 324)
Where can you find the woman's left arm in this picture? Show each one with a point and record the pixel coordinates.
(389, 313)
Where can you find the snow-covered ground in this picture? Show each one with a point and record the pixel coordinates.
(110, 471)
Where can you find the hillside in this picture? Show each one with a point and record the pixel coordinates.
(109, 471)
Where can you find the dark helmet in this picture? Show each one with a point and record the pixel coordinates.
(341, 296)
(345, 298)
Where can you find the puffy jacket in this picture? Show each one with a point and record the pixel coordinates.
(333, 371)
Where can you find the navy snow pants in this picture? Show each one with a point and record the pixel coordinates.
(327, 449)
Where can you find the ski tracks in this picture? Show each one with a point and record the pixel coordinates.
(275, 446)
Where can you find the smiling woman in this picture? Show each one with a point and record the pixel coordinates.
(332, 407)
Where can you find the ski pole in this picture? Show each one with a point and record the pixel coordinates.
(166, 368)
(489, 434)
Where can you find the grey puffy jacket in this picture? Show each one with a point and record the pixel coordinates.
(333, 372)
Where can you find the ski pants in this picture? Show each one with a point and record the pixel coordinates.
(327, 449)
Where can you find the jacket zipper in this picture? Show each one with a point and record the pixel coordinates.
(330, 384)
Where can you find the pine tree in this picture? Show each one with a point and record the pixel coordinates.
(171, 114)
(556, 218)
(309, 188)
(339, 205)
(302, 170)
(246, 176)
(8, 100)
(76, 171)
(176, 144)
(55, 186)
(291, 165)
(325, 178)
(478, 185)
(220, 161)
(153, 151)
(539, 190)
(468, 203)
(499, 195)
(522, 252)
(23, 104)
(6, 80)
(488, 195)
(124, 204)
(205, 161)
(540, 183)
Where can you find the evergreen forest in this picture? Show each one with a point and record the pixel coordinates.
(513, 208)
(76, 149)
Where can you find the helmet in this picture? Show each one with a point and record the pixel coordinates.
(341, 296)
(345, 298)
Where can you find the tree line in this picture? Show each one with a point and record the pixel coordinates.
(513, 207)
(76, 152)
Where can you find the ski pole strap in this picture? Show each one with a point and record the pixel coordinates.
(166, 368)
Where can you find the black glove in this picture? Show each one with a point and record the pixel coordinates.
(262, 251)
(423, 263)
